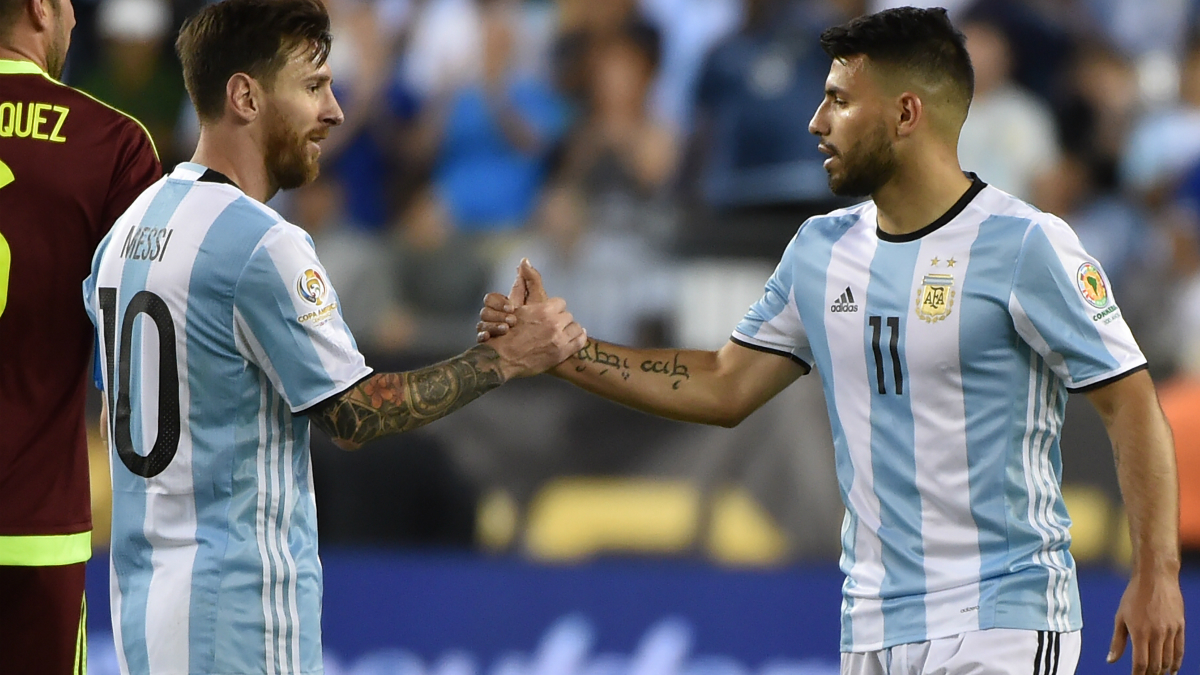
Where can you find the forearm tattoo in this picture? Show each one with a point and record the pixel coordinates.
(605, 359)
(390, 403)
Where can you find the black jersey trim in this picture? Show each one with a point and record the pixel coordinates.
(334, 396)
(777, 352)
(214, 176)
(977, 186)
(1115, 378)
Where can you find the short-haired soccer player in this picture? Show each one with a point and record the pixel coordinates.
(69, 165)
(222, 337)
(949, 321)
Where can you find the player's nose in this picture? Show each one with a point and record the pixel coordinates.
(333, 115)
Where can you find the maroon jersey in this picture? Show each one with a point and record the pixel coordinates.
(69, 166)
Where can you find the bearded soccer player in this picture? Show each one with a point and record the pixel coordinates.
(69, 165)
(222, 337)
(949, 321)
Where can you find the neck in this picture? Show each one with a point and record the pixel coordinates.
(236, 153)
(22, 51)
(919, 194)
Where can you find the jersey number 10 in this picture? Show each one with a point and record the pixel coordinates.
(167, 441)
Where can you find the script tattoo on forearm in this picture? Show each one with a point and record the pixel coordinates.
(390, 403)
(613, 361)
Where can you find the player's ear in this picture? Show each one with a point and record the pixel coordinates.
(41, 12)
(243, 97)
(911, 109)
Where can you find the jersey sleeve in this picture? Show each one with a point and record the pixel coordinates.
(773, 323)
(1062, 306)
(289, 321)
(137, 168)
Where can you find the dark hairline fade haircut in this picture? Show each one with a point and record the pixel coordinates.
(921, 42)
(255, 37)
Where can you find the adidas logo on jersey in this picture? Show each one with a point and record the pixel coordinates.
(844, 303)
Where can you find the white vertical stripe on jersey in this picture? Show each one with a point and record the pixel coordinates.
(289, 497)
(948, 531)
(850, 266)
(260, 526)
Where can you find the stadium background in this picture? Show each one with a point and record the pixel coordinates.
(652, 158)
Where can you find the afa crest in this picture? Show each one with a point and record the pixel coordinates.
(311, 286)
(936, 297)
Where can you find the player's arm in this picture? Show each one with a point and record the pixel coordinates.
(391, 403)
(708, 387)
(1151, 610)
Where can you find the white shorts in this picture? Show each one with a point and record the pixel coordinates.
(997, 651)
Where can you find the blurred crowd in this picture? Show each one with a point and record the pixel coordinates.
(609, 139)
(616, 142)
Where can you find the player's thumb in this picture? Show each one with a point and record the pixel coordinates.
(536, 292)
(1120, 635)
(519, 293)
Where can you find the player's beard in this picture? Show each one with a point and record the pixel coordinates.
(867, 166)
(56, 51)
(288, 163)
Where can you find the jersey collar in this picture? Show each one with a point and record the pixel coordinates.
(8, 67)
(977, 186)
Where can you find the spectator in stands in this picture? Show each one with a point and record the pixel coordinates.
(379, 108)
(582, 25)
(1166, 143)
(134, 74)
(487, 141)
(620, 157)
(1009, 137)
(1097, 110)
(616, 283)
(689, 29)
(440, 272)
(751, 171)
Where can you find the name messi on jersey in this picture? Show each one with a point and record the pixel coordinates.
(32, 120)
(146, 243)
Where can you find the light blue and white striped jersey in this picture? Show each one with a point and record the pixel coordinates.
(946, 356)
(217, 323)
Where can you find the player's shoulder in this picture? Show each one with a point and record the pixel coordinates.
(836, 222)
(1020, 218)
(99, 116)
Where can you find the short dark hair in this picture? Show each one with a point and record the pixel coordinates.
(254, 37)
(922, 41)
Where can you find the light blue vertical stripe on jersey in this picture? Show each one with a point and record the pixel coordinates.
(988, 387)
(815, 243)
(216, 381)
(893, 440)
(129, 491)
(1066, 325)
(302, 375)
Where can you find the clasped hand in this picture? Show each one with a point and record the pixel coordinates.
(530, 331)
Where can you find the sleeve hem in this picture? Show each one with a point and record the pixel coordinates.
(308, 406)
(1108, 380)
(778, 352)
